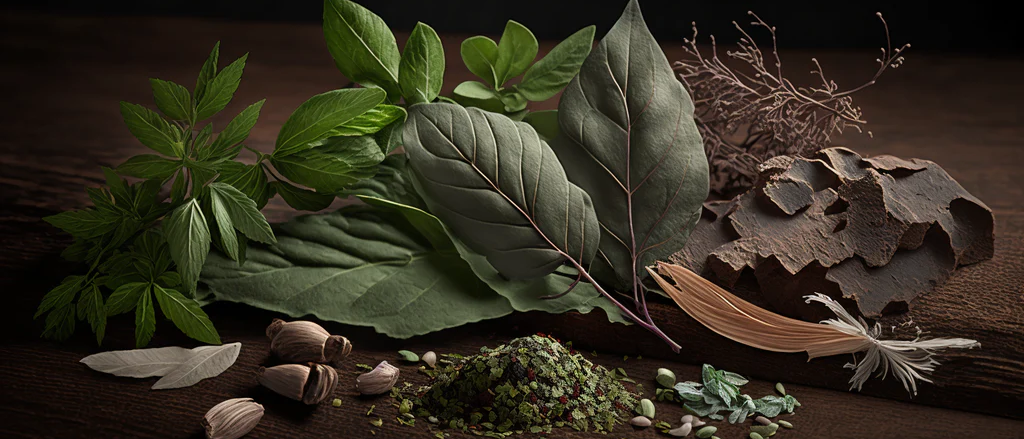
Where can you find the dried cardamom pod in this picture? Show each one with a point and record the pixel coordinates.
(303, 341)
(379, 380)
(311, 383)
(232, 419)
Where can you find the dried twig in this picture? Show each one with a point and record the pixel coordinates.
(747, 117)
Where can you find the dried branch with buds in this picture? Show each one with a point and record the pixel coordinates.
(747, 117)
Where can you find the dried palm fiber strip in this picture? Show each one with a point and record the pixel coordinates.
(741, 321)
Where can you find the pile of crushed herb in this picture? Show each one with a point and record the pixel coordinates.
(531, 384)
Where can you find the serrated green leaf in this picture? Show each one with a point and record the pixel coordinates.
(545, 122)
(180, 187)
(149, 166)
(475, 94)
(370, 122)
(316, 118)
(302, 199)
(516, 51)
(188, 238)
(421, 71)
(384, 274)
(61, 295)
(250, 179)
(226, 229)
(145, 320)
(333, 165)
(125, 298)
(553, 72)
(480, 54)
(362, 45)
(169, 279)
(186, 315)
(92, 309)
(85, 223)
(219, 91)
(172, 99)
(237, 130)
(60, 323)
(152, 130)
(202, 139)
(207, 72)
(243, 212)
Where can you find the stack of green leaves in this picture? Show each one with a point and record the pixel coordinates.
(719, 391)
(531, 384)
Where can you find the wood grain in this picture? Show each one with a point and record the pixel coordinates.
(63, 77)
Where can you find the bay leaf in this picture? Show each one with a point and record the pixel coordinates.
(630, 136)
(204, 362)
(138, 363)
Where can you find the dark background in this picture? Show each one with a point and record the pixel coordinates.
(964, 27)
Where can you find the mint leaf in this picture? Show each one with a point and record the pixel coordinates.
(250, 179)
(421, 70)
(60, 323)
(553, 72)
(475, 94)
(734, 378)
(219, 91)
(186, 315)
(362, 45)
(61, 295)
(317, 117)
(237, 130)
(149, 166)
(208, 71)
(544, 122)
(228, 237)
(480, 54)
(189, 240)
(371, 121)
(302, 199)
(202, 138)
(333, 165)
(145, 320)
(125, 297)
(243, 212)
(92, 309)
(85, 223)
(169, 279)
(516, 51)
(172, 99)
(152, 130)
(180, 187)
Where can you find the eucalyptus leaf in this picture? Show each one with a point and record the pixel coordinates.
(333, 164)
(172, 99)
(516, 51)
(482, 173)
(636, 145)
(421, 70)
(362, 45)
(205, 362)
(370, 268)
(316, 118)
(553, 72)
(480, 54)
(189, 240)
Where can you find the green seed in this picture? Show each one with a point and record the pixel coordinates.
(706, 432)
(785, 424)
(336, 402)
(780, 388)
(755, 436)
(666, 378)
(765, 430)
(646, 408)
(409, 356)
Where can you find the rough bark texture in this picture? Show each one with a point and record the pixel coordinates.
(876, 232)
(66, 75)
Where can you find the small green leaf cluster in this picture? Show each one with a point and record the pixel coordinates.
(719, 391)
(513, 55)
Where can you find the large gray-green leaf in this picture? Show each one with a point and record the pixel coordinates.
(422, 67)
(362, 45)
(318, 117)
(500, 189)
(630, 140)
(391, 183)
(362, 266)
(333, 164)
(551, 74)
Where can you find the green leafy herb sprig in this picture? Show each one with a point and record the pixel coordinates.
(720, 391)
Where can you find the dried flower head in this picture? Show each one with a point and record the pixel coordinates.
(302, 341)
(232, 419)
(746, 117)
(311, 383)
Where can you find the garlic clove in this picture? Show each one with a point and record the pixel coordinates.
(320, 385)
(311, 383)
(302, 341)
(232, 419)
(336, 349)
(430, 358)
(379, 380)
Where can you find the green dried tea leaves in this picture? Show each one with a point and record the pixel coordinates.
(719, 391)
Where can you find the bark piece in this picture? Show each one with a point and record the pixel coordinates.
(870, 232)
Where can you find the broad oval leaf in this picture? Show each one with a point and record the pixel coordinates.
(421, 70)
(189, 240)
(500, 188)
(553, 72)
(316, 118)
(480, 53)
(476, 94)
(205, 362)
(630, 136)
(138, 363)
(336, 163)
(516, 51)
(362, 45)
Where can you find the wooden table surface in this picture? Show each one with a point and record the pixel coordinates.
(62, 78)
